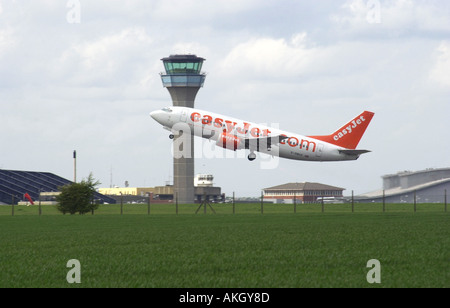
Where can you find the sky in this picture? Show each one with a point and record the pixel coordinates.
(84, 75)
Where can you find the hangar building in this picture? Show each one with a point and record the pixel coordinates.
(429, 186)
(306, 192)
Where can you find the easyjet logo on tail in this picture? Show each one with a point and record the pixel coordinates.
(349, 135)
(349, 129)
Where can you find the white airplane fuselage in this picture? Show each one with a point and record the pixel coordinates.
(235, 134)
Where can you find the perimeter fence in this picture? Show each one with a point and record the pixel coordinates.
(418, 203)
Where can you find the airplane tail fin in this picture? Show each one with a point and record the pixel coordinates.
(349, 135)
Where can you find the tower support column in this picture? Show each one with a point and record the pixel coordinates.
(183, 79)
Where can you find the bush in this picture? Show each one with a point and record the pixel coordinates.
(77, 197)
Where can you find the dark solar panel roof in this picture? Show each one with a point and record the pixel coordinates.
(14, 183)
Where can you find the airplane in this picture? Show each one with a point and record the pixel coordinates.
(234, 134)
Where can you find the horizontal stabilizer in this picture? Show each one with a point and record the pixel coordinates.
(354, 152)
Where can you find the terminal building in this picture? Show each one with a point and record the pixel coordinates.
(306, 192)
(426, 186)
(203, 187)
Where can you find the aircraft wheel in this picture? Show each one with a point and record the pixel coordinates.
(251, 156)
(171, 136)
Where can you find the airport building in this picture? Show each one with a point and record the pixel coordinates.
(306, 192)
(426, 186)
(203, 187)
(42, 186)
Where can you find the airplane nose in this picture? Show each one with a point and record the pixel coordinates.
(153, 114)
(156, 115)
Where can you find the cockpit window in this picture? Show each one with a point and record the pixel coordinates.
(167, 109)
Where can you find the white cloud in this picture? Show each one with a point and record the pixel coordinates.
(7, 40)
(176, 10)
(354, 13)
(108, 60)
(274, 56)
(190, 48)
(441, 70)
(107, 50)
(392, 18)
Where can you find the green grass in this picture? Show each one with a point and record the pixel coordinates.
(277, 249)
(240, 208)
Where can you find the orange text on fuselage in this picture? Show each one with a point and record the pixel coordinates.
(228, 126)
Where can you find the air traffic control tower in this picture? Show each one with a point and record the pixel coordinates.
(183, 79)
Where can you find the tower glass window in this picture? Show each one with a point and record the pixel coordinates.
(183, 64)
(182, 67)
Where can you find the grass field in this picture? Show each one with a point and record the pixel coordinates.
(240, 208)
(277, 249)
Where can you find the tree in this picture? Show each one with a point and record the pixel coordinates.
(77, 197)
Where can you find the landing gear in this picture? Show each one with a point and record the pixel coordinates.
(251, 156)
(171, 136)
